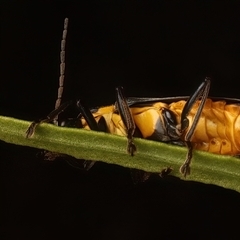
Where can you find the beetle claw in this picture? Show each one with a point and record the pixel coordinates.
(31, 129)
(131, 148)
(185, 169)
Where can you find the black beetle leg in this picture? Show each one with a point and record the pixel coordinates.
(86, 113)
(50, 117)
(185, 168)
(201, 92)
(127, 118)
(93, 125)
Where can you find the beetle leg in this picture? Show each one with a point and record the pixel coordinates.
(127, 118)
(50, 117)
(201, 92)
(76, 122)
(93, 125)
(86, 113)
(185, 168)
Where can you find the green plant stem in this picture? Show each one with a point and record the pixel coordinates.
(151, 156)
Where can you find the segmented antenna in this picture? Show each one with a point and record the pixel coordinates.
(62, 68)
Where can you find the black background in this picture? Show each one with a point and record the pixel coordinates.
(151, 48)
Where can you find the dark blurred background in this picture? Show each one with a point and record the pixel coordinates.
(151, 48)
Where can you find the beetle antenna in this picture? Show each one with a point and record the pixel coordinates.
(62, 68)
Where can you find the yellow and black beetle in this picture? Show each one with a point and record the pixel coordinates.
(205, 124)
(198, 122)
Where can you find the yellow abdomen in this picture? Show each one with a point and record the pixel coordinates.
(218, 129)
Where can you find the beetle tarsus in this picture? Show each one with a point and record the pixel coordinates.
(165, 172)
(50, 117)
(31, 129)
(185, 169)
(131, 148)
